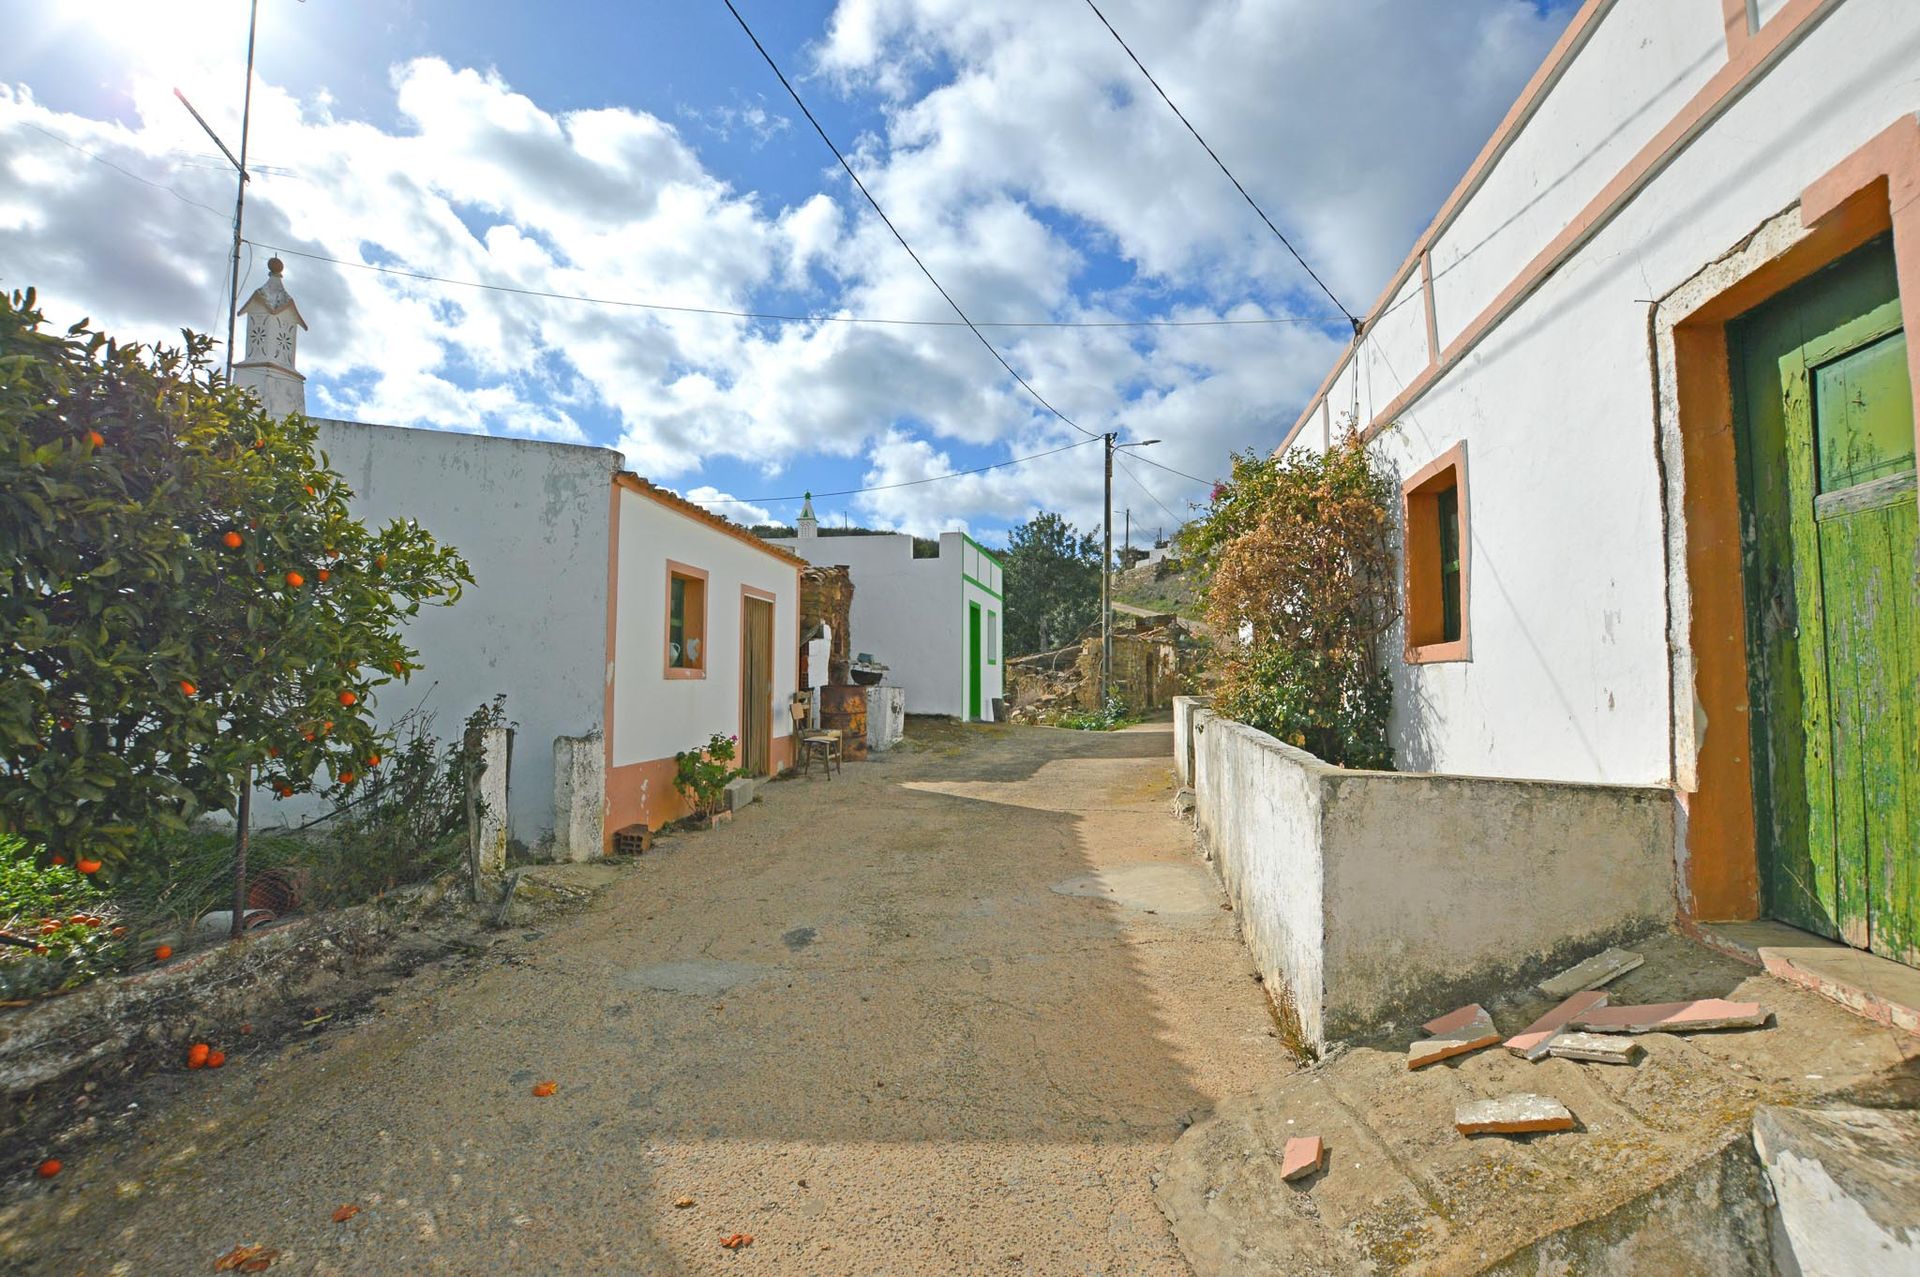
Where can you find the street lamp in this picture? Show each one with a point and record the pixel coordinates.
(1106, 570)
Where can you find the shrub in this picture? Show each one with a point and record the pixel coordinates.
(702, 774)
(1108, 717)
(1298, 563)
(57, 927)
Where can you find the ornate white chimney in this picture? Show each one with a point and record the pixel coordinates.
(273, 330)
(806, 525)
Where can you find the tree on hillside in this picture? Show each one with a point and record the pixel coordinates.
(189, 606)
(1052, 584)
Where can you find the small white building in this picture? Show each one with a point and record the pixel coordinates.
(622, 623)
(934, 622)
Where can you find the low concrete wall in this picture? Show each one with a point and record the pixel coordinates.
(1258, 807)
(1367, 897)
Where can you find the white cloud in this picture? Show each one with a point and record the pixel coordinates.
(728, 506)
(1019, 151)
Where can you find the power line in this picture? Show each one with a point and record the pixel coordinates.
(1144, 488)
(629, 304)
(1351, 317)
(792, 93)
(1170, 470)
(908, 483)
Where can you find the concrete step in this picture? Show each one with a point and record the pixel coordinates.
(1404, 1192)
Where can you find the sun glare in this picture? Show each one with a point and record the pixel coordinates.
(171, 42)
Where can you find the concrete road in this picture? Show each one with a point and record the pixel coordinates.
(943, 1014)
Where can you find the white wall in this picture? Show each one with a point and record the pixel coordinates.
(531, 520)
(1567, 588)
(911, 614)
(654, 716)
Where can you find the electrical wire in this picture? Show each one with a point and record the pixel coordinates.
(768, 315)
(991, 349)
(1170, 470)
(907, 483)
(1149, 491)
(1285, 243)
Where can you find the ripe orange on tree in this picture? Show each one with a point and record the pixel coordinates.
(233, 540)
(295, 580)
(348, 697)
(187, 688)
(86, 866)
(97, 439)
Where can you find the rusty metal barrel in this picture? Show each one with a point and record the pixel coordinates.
(844, 705)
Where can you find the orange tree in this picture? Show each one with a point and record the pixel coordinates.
(1296, 560)
(190, 605)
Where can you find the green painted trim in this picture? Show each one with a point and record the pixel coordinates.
(982, 584)
(984, 550)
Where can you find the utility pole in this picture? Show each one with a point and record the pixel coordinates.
(1106, 584)
(1126, 543)
(1106, 565)
(240, 195)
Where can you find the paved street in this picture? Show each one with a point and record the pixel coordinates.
(943, 1014)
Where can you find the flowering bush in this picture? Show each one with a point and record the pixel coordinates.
(702, 774)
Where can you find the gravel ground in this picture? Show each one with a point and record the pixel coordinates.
(943, 1014)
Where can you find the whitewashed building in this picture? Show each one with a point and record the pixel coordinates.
(622, 623)
(1647, 384)
(934, 622)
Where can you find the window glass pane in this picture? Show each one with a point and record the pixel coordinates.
(1447, 504)
(677, 625)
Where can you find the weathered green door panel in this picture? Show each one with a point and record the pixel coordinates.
(1867, 569)
(1824, 437)
(973, 662)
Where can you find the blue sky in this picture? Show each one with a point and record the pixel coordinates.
(645, 152)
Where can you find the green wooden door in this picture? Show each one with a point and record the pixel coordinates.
(1832, 590)
(973, 661)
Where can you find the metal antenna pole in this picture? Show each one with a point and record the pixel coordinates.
(240, 195)
(1126, 542)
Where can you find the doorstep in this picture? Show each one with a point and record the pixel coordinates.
(1878, 988)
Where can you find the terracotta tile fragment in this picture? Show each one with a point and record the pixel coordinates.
(1601, 968)
(1531, 1043)
(1447, 1045)
(1302, 1156)
(1472, 1015)
(1512, 1115)
(1595, 1048)
(1674, 1017)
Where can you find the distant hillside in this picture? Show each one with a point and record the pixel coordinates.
(1163, 587)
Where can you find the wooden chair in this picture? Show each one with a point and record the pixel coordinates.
(824, 742)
